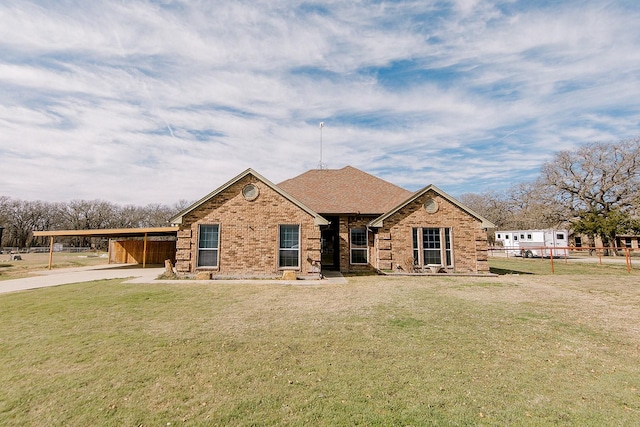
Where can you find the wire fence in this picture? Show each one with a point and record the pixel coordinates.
(557, 253)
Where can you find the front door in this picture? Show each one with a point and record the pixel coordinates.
(330, 248)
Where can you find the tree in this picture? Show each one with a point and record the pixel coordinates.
(21, 218)
(4, 221)
(533, 206)
(607, 227)
(597, 176)
(598, 183)
(490, 205)
(526, 205)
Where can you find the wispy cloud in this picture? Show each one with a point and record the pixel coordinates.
(158, 101)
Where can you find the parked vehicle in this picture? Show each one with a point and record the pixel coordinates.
(533, 243)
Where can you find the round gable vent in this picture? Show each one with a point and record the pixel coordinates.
(431, 206)
(250, 192)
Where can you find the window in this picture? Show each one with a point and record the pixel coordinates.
(528, 236)
(416, 248)
(447, 247)
(359, 250)
(208, 241)
(627, 242)
(560, 236)
(499, 236)
(432, 246)
(515, 237)
(289, 246)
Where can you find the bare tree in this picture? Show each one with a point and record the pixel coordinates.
(491, 205)
(527, 205)
(598, 176)
(22, 218)
(157, 215)
(533, 206)
(89, 214)
(130, 216)
(598, 179)
(4, 218)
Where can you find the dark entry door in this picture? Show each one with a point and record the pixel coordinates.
(330, 249)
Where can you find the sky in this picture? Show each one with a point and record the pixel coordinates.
(139, 102)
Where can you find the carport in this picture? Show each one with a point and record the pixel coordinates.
(110, 233)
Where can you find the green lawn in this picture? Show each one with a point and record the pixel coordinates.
(576, 266)
(31, 262)
(379, 351)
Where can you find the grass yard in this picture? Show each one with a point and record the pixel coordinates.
(40, 261)
(573, 266)
(526, 349)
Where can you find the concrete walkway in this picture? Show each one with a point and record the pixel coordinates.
(64, 276)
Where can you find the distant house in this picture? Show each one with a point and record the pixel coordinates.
(340, 219)
(628, 241)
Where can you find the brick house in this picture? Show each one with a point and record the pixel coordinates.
(341, 219)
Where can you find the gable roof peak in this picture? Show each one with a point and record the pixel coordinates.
(378, 222)
(319, 220)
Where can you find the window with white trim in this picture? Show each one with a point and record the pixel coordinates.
(432, 246)
(289, 246)
(208, 245)
(358, 246)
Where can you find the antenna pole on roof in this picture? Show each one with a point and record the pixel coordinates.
(320, 164)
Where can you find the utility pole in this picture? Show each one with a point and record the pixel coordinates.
(320, 164)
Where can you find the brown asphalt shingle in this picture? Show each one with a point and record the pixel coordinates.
(344, 191)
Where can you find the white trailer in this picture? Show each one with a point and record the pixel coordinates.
(533, 243)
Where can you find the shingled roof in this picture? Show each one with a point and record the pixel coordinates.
(344, 191)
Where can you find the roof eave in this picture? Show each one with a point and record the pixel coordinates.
(379, 222)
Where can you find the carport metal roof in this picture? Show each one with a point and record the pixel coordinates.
(108, 232)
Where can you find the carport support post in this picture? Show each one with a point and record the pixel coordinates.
(50, 252)
(144, 251)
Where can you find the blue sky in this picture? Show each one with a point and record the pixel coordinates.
(157, 101)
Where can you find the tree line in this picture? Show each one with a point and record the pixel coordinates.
(592, 190)
(20, 218)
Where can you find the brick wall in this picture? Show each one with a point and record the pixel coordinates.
(394, 245)
(248, 232)
(346, 224)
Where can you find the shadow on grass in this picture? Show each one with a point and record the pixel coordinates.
(127, 266)
(503, 271)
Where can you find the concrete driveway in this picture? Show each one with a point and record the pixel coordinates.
(64, 276)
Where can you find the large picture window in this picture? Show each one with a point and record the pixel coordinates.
(289, 246)
(432, 246)
(208, 245)
(359, 250)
